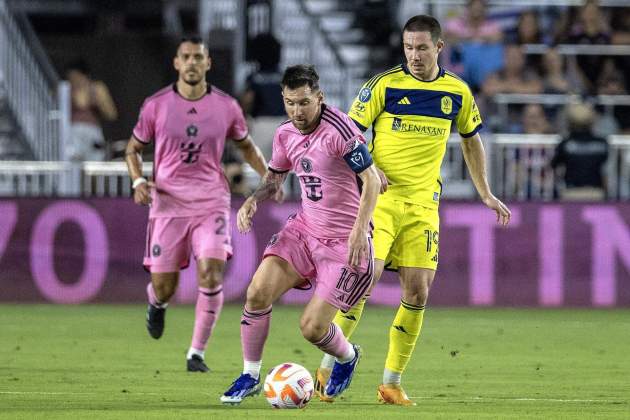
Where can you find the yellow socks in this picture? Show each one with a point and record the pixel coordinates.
(348, 321)
(403, 335)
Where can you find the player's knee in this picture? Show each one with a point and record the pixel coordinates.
(416, 292)
(257, 297)
(312, 329)
(164, 290)
(210, 278)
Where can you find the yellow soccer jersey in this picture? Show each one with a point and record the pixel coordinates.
(412, 121)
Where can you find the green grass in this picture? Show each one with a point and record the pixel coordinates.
(93, 362)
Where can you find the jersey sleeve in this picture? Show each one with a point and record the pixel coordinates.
(238, 128)
(144, 131)
(468, 119)
(368, 104)
(279, 160)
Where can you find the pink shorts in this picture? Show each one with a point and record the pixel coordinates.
(323, 261)
(170, 241)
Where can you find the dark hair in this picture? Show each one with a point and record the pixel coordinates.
(300, 75)
(424, 23)
(193, 39)
(79, 64)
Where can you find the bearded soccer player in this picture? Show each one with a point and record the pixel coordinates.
(411, 109)
(326, 245)
(188, 122)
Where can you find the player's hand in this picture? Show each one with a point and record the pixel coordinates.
(279, 195)
(245, 214)
(142, 193)
(357, 246)
(383, 178)
(503, 212)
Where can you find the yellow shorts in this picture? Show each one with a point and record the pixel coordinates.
(406, 234)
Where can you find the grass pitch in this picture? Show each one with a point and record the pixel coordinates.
(98, 362)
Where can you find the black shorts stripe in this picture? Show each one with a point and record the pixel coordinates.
(341, 122)
(147, 251)
(364, 282)
(378, 77)
(344, 135)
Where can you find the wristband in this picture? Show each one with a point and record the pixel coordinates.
(138, 181)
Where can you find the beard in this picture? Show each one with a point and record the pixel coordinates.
(192, 81)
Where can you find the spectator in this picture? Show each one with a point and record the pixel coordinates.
(527, 30)
(611, 82)
(579, 158)
(262, 96)
(555, 78)
(591, 28)
(91, 104)
(475, 44)
(620, 25)
(534, 120)
(515, 77)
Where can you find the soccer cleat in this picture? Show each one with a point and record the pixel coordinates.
(155, 321)
(341, 374)
(196, 364)
(393, 394)
(245, 386)
(321, 378)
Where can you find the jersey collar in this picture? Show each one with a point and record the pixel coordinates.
(208, 92)
(441, 73)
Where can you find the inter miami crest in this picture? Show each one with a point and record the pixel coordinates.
(307, 166)
(192, 130)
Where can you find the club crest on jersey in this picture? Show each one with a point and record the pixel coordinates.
(192, 130)
(365, 94)
(446, 104)
(307, 166)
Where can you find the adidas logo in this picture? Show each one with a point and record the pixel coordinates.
(244, 322)
(350, 317)
(404, 101)
(192, 111)
(400, 328)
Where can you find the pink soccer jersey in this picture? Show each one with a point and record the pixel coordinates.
(330, 189)
(189, 138)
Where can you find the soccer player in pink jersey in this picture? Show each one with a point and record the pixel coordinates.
(188, 122)
(326, 245)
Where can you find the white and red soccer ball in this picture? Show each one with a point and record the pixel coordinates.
(288, 385)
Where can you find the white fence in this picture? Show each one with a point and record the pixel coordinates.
(518, 169)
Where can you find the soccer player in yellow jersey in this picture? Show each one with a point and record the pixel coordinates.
(411, 109)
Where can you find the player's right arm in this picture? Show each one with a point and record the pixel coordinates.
(270, 184)
(133, 157)
(143, 133)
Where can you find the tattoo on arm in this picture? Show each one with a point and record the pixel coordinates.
(269, 185)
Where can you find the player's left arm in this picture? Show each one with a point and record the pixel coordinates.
(475, 157)
(252, 155)
(360, 161)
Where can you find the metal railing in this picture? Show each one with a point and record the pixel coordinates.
(518, 169)
(41, 110)
(304, 41)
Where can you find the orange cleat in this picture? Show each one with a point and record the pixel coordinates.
(393, 394)
(321, 378)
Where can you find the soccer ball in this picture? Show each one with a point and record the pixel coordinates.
(288, 385)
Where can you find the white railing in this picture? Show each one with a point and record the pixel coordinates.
(41, 110)
(518, 169)
(303, 41)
